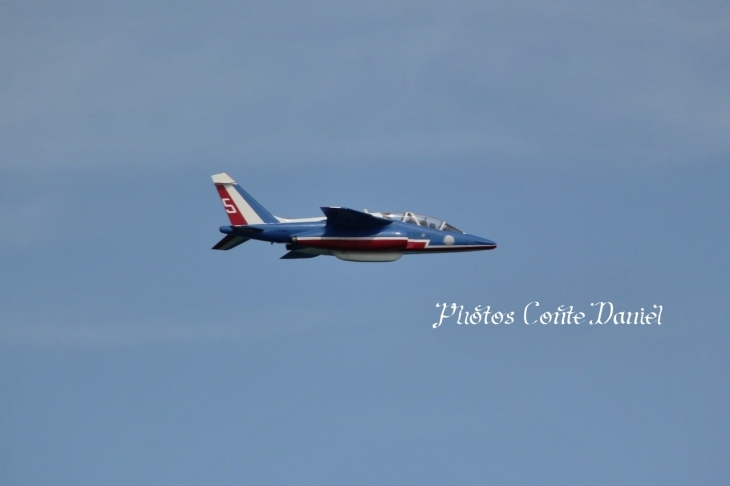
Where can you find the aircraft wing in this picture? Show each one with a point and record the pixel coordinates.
(345, 218)
(298, 254)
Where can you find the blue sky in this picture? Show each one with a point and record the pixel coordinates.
(589, 140)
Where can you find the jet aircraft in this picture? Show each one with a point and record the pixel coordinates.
(358, 236)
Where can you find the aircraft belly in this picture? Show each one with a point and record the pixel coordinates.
(368, 256)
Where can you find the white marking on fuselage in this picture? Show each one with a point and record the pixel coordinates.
(301, 220)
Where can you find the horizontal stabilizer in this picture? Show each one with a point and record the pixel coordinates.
(298, 254)
(345, 218)
(229, 241)
(243, 231)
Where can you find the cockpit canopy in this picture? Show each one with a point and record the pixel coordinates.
(419, 220)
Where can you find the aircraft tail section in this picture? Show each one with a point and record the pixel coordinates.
(242, 209)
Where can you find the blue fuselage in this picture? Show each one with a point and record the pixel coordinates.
(394, 237)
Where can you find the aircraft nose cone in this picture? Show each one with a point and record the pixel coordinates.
(485, 242)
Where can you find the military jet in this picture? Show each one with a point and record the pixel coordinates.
(348, 234)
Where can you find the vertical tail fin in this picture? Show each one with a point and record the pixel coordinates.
(242, 209)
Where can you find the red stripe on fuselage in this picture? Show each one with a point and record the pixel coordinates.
(356, 244)
(234, 214)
